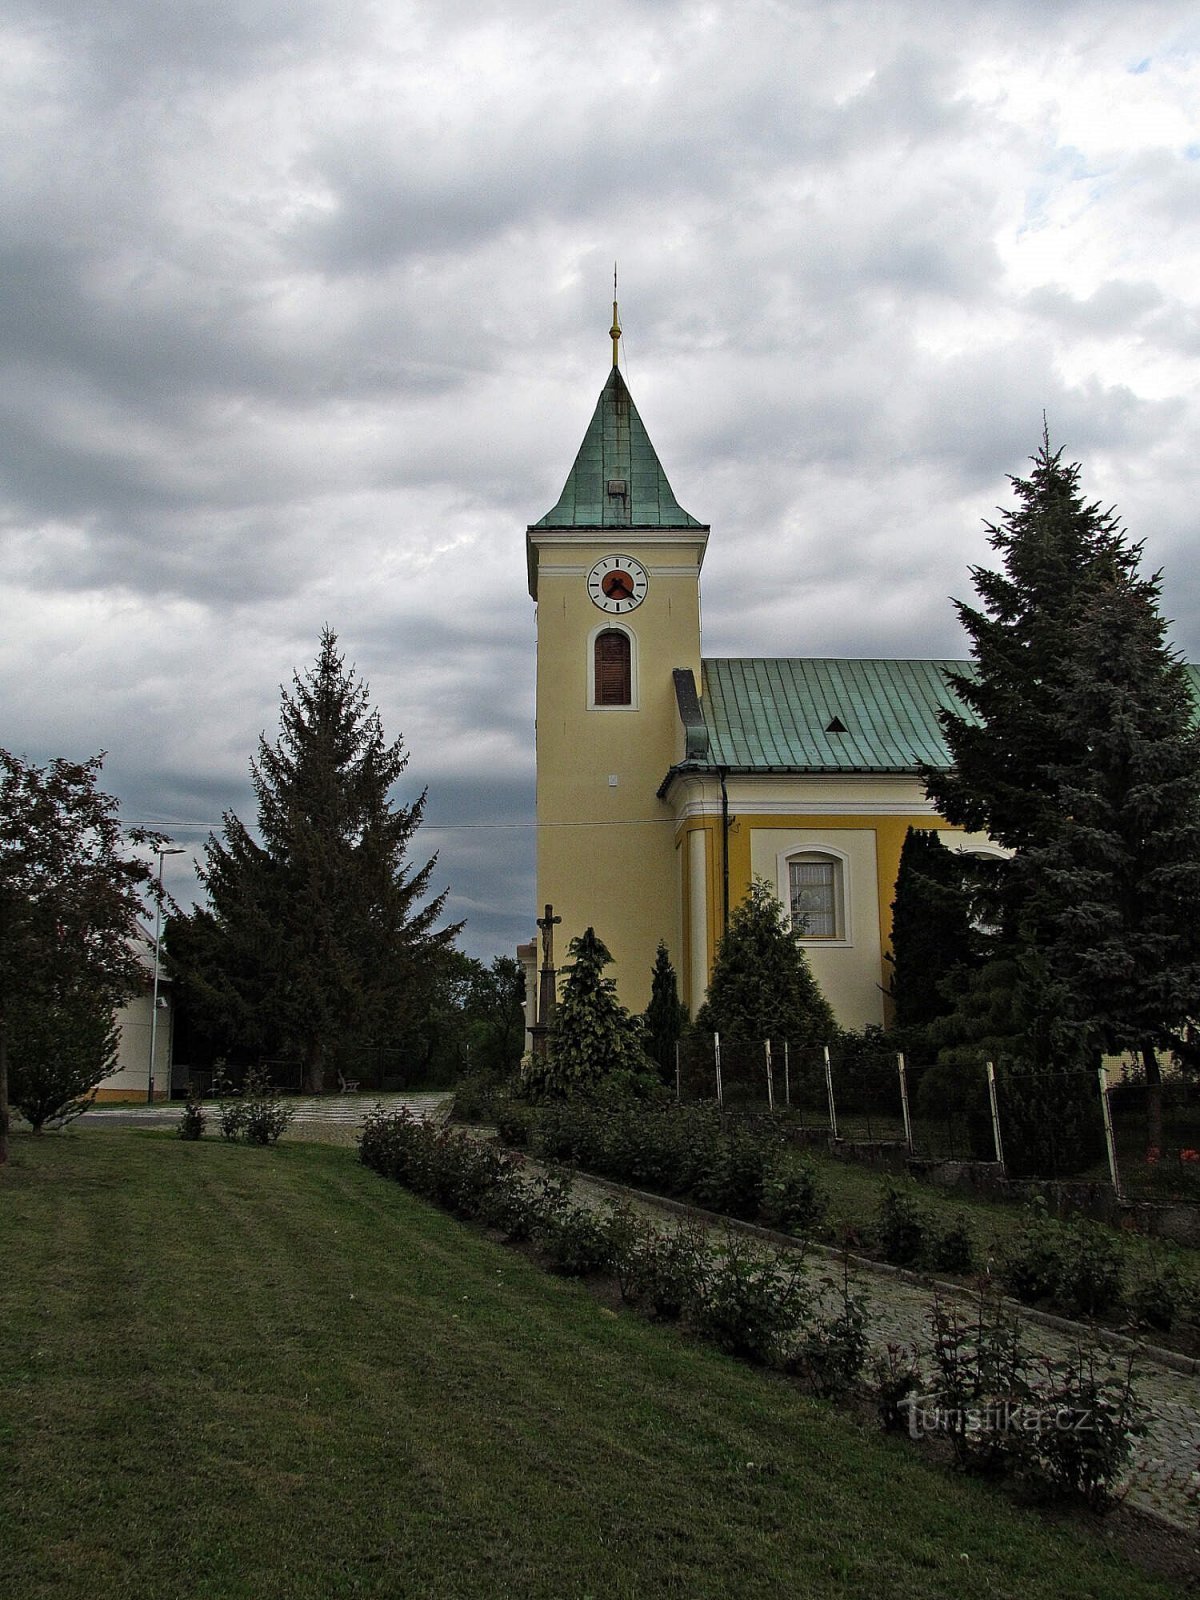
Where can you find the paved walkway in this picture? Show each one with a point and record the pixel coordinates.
(334, 1118)
(1164, 1477)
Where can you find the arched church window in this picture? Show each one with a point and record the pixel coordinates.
(817, 895)
(613, 668)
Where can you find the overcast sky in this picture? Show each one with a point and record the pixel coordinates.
(305, 311)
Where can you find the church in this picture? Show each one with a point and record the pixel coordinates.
(667, 780)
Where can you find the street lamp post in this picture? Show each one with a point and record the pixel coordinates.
(160, 852)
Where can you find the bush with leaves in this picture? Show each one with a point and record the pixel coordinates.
(1158, 1297)
(792, 1198)
(980, 1366)
(896, 1378)
(733, 1184)
(595, 1038)
(761, 985)
(577, 1241)
(831, 1351)
(1069, 1424)
(265, 1116)
(663, 1273)
(1090, 1274)
(749, 1303)
(194, 1119)
(1031, 1267)
(1091, 1420)
(900, 1231)
(952, 1250)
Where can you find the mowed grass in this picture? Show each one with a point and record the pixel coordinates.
(237, 1372)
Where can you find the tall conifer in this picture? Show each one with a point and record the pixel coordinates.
(323, 931)
(1078, 753)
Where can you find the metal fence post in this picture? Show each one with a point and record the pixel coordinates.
(770, 1075)
(995, 1105)
(717, 1066)
(1109, 1141)
(829, 1091)
(903, 1071)
(787, 1075)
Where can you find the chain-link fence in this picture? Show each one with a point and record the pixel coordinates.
(1157, 1149)
(1041, 1123)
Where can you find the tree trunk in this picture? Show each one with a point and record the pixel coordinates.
(1154, 1102)
(314, 1067)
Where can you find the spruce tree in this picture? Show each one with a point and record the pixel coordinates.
(1007, 749)
(665, 1016)
(761, 985)
(1077, 752)
(1116, 888)
(323, 934)
(1010, 744)
(933, 935)
(595, 1039)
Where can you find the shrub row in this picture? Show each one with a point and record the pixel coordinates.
(1078, 1268)
(686, 1152)
(759, 1307)
(1070, 1424)
(255, 1113)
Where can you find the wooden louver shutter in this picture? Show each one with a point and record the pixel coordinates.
(614, 685)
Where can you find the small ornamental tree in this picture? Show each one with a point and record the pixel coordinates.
(70, 900)
(761, 985)
(595, 1038)
(665, 1016)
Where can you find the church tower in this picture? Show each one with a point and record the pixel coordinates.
(614, 569)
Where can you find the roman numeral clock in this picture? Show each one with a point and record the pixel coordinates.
(617, 584)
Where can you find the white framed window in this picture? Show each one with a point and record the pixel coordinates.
(612, 668)
(815, 886)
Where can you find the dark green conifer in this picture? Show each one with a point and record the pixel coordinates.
(761, 985)
(595, 1039)
(665, 1016)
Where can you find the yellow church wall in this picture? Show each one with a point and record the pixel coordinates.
(864, 824)
(606, 845)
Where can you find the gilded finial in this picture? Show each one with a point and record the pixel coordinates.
(615, 330)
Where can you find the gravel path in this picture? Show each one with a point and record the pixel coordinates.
(330, 1119)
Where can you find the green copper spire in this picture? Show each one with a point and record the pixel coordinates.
(617, 480)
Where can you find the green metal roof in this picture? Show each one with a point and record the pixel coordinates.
(821, 715)
(784, 715)
(616, 451)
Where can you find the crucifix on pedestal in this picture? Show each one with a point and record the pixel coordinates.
(547, 985)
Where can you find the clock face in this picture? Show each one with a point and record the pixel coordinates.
(617, 584)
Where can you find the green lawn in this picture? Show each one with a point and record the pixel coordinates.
(237, 1372)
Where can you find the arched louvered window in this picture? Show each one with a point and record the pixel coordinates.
(613, 669)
